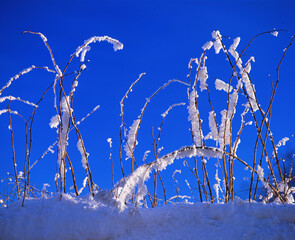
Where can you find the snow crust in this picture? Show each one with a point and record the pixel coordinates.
(71, 218)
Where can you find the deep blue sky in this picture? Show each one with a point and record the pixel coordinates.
(159, 38)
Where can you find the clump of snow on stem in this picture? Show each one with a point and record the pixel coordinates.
(234, 53)
(131, 139)
(250, 88)
(83, 153)
(217, 43)
(207, 45)
(275, 33)
(221, 85)
(226, 118)
(64, 130)
(203, 76)
(213, 126)
(282, 142)
(6, 110)
(83, 185)
(85, 47)
(217, 186)
(194, 118)
(54, 121)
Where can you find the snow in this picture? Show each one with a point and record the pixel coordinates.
(217, 43)
(84, 154)
(92, 218)
(207, 45)
(194, 118)
(221, 85)
(131, 139)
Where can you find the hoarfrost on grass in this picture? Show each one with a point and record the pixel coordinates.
(217, 43)
(221, 85)
(131, 138)
(194, 118)
(207, 45)
(54, 121)
(84, 154)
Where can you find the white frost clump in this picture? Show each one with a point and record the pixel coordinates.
(221, 85)
(6, 110)
(250, 88)
(224, 130)
(213, 126)
(85, 47)
(54, 121)
(207, 45)
(282, 142)
(131, 139)
(217, 43)
(64, 130)
(275, 33)
(83, 185)
(235, 54)
(194, 118)
(83, 154)
(203, 76)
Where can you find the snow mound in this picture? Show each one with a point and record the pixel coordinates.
(86, 218)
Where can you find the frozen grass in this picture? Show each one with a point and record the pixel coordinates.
(268, 174)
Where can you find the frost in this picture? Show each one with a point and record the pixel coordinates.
(63, 131)
(203, 76)
(224, 130)
(234, 53)
(213, 126)
(54, 121)
(83, 67)
(6, 110)
(194, 118)
(250, 89)
(109, 140)
(85, 47)
(83, 153)
(176, 171)
(282, 142)
(126, 188)
(25, 71)
(207, 45)
(12, 98)
(83, 53)
(83, 186)
(172, 106)
(145, 155)
(217, 43)
(221, 85)
(275, 33)
(131, 138)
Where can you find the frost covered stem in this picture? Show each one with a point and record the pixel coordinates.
(191, 127)
(13, 151)
(122, 120)
(49, 49)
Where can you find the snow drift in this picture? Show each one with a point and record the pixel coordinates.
(74, 217)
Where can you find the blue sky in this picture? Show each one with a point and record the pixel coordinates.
(159, 37)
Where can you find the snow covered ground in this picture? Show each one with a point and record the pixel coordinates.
(84, 218)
